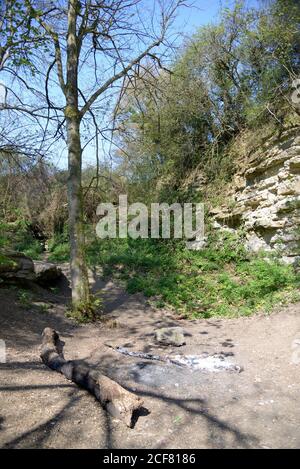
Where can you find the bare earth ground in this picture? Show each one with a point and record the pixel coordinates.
(257, 408)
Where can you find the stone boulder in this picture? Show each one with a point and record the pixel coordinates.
(170, 336)
(46, 272)
(15, 265)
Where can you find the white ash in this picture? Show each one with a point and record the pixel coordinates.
(213, 363)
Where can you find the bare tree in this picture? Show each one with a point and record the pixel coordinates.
(97, 45)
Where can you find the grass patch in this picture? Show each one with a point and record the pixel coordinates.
(221, 280)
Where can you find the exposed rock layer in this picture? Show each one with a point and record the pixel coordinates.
(265, 197)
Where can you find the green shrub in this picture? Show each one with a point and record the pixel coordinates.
(59, 247)
(18, 237)
(29, 246)
(60, 253)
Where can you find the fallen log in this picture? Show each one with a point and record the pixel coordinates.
(119, 402)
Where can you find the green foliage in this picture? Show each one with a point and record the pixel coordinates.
(19, 34)
(27, 244)
(229, 76)
(59, 253)
(59, 247)
(25, 299)
(3, 244)
(18, 237)
(221, 280)
(86, 312)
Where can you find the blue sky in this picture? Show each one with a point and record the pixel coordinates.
(189, 19)
(205, 12)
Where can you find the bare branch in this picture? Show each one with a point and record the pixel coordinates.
(117, 77)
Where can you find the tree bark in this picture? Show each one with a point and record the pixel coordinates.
(79, 275)
(119, 402)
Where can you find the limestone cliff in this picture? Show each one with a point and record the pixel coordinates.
(264, 197)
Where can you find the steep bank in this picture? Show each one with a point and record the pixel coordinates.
(263, 198)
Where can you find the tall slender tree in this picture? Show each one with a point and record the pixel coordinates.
(97, 45)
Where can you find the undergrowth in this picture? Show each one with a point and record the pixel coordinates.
(86, 312)
(59, 247)
(17, 236)
(221, 280)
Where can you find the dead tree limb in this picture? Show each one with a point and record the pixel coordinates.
(189, 361)
(145, 356)
(119, 402)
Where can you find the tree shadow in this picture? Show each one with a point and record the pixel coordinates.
(217, 429)
(2, 419)
(23, 325)
(36, 437)
(196, 406)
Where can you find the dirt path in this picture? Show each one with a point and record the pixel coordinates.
(258, 408)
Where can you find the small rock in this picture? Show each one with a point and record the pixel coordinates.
(170, 336)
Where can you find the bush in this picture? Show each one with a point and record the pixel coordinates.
(18, 237)
(59, 247)
(29, 246)
(60, 253)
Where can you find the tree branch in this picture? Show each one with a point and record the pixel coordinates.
(116, 77)
(58, 58)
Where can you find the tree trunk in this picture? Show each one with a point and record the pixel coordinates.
(119, 402)
(79, 275)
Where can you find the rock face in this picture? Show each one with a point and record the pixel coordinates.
(266, 198)
(170, 336)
